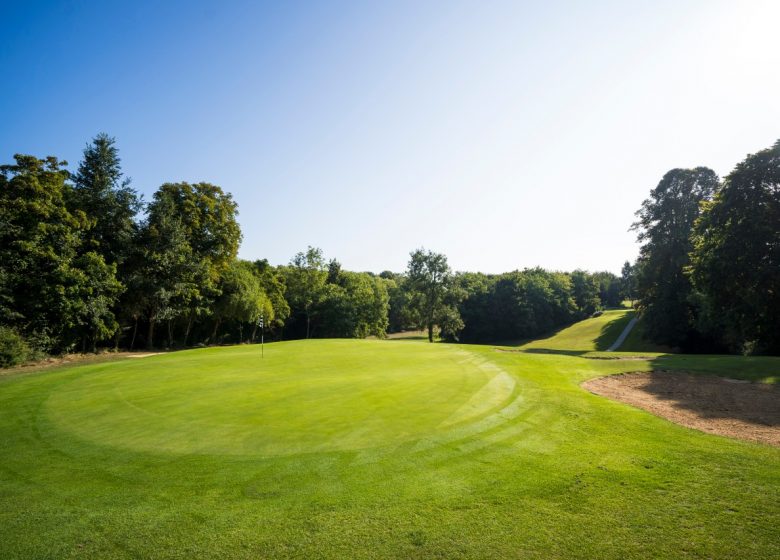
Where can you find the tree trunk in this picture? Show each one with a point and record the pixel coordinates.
(135, 331)
(94, 343)
(189, 327)
(430, 332)
(254, 332)
(170, 333)
(117, 334)
(240, 332)
(150, 336)
(214, 332)
(83, 344)
(308, 322)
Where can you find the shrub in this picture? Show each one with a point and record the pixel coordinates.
(13, 348)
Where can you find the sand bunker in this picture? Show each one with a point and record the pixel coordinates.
(717, 405)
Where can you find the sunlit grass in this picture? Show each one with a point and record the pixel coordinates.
(380, 449)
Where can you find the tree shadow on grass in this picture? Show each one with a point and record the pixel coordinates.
(729, 406)
(715, 395)
(718, 386)
(407, 335)
(611, 331)
(552, 351)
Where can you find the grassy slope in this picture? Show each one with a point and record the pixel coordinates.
(589, 335)
(549, 471)
(635, 342)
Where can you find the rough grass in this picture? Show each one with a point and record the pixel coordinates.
(374, 449)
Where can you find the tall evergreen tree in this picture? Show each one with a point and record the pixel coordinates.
(103, 193)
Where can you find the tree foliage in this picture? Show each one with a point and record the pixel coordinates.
(39, 241)
(189, 239)
(241, 298)
(628, 282)
(306, 279)
(735, 261)
(433, 294)
(78, 269)
(515, 305)
(104, 195)
(664, 226)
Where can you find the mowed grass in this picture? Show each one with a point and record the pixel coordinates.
(596, 334)
(374, 449)
(302, 397)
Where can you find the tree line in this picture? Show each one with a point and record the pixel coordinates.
(85, 262)
(707, 278)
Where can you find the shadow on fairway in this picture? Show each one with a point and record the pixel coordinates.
(408, 335)
(555, 351)
(611, 331)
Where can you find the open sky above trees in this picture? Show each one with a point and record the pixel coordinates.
(506, 135)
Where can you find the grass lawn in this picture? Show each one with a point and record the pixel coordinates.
(375, 449)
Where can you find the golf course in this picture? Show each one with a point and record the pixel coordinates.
(377, 449)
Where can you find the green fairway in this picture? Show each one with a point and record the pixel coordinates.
(375, 449)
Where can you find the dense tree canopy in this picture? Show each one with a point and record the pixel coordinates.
(708, 274)
(735, 261)
(664, 227)
(306, 278)
(517, 305)
(241, 298)
(81, 266)
(39, 241)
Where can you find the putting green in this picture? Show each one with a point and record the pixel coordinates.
(301, 397)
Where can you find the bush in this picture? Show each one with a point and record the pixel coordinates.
(13, 348)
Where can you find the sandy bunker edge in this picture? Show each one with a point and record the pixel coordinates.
(711, 404)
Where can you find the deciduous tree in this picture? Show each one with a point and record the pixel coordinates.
(39, 239)
(735, 262)
(664, 226)
(306, 277)
(431, 286)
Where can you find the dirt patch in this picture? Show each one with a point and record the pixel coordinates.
(717, 405)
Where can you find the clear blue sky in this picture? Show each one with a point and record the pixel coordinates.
(504, 134)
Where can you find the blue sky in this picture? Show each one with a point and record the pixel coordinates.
(504, 134)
